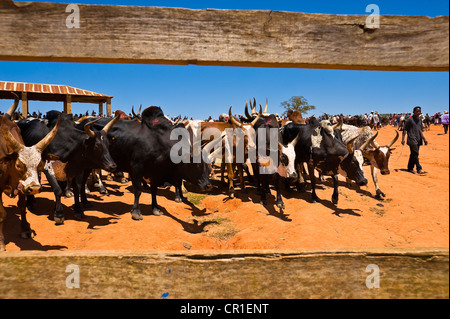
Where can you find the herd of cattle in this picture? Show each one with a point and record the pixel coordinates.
(68, 151)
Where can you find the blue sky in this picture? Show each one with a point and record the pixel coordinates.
(200, 91)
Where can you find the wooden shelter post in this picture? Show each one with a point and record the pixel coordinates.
(24, 104)
(68, 104)
(108, 107)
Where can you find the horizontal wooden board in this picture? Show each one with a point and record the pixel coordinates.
(153, 35)
(407, 273)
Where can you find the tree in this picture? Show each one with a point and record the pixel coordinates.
(297, 103)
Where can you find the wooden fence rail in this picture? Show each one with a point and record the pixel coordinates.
(34, 31)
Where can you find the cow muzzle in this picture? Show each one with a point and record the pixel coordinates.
(385, 172)
(363, 182)
(31, 189)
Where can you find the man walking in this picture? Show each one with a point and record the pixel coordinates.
(414, 127)
(444, 121)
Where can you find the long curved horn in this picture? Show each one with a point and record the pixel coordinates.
(233, 120)
(253, 106)
(87, 127)
(297, 138)
(14, 105)
(267, 105)
(111, 123)
(246, 110)
(350, 145)
(394, 140)
(257, 117)
(369, 141)
(139, 111)
(132, 111)
(10, 140)
(49, 137)
(338, 125)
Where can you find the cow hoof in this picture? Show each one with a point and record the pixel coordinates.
(79, 216)
(178, 200)
(124, 180)
(136, 215)
(109, 178)
(69, 194)
(281, 205)
(157, 212)
(28, 234)
(59, 220)
(334, 201)
(103, 190)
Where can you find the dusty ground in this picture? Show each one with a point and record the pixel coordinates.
(415, 213)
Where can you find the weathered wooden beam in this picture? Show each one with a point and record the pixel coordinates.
(24, 104)
(296, 274)
(38, 32)
(68, 104)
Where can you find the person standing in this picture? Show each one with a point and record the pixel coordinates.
(414, 127)
(444, 121)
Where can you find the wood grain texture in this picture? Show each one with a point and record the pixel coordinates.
(284, 274)
(153, 35)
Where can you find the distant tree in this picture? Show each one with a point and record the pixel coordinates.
(297, 103)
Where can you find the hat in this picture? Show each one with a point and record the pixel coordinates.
(445, 112)
(371, 111)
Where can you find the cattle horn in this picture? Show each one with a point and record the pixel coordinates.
(267, 104)
(139, 111)
(11, 141)
(111, 123)
(49, 137)
(350, 145)
(369, 141)
(246, 110)
(13, 107)
(394, 140)
(253, 106)
(338, 125)
(257, 117)
(132, 111)
(232, 119)
(87, 128)
(297, 138)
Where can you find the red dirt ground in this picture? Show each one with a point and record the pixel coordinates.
(415, 213)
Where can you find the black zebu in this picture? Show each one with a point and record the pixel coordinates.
(75, 153)
(142, 148)
(321, 148)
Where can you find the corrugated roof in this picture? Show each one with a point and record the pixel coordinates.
(46, 89)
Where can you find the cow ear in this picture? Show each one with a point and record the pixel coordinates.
(50, 157)
(9, 157)
(392, 149)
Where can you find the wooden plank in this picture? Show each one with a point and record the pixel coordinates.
(154, 35)
(295, 274)
(68, 104)
(24, 104)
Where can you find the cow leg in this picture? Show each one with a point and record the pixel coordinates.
(179, 192)
(97, 179)
(2, 219)
(27, 232)
(57, 190)
(136, 180)
(76, 186)
(222, 172)
(155, 207)
(250, 177)
(230, 179)
(301, 184)
(83, 197)
(335, 197)
(264, 185)
(279, 202)
(241, 178)
(379, 193)
(313, 183)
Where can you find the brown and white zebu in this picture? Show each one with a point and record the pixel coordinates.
(19, 170)
(377, 156)
(209, 134)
